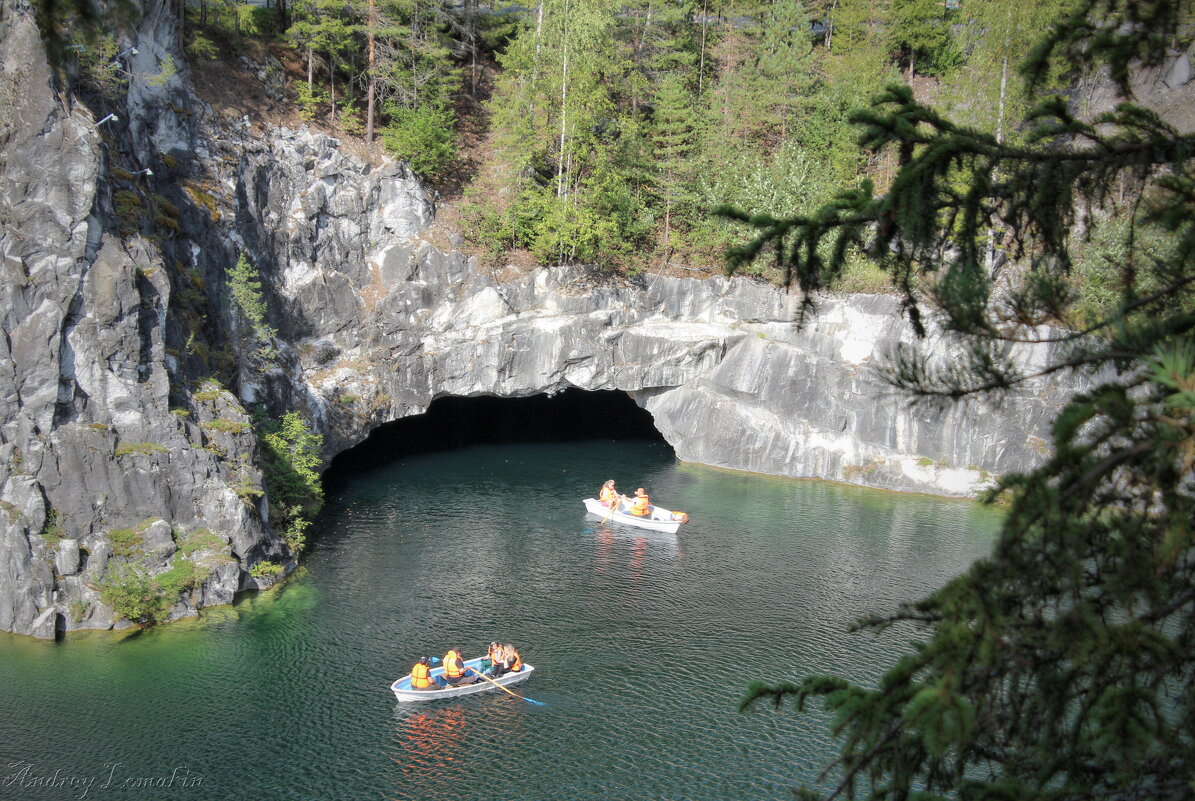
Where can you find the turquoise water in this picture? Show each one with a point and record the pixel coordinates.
(642, 642)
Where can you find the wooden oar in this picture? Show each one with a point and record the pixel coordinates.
(613, 509)
(503, 689)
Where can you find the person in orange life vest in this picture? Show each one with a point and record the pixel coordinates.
(421, 676)
(494, 654)
(454, 666)
(501, 659)
(513, 660)
(641, 506)
(609, 496)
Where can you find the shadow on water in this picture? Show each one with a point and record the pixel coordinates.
(456, 422)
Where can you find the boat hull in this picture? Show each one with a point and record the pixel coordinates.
(659, 520)
(405, 693)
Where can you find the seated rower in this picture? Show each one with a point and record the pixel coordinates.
(421, 676)
(609, 496)
(454, 668)
(641, 505)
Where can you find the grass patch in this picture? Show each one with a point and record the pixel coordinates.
(14, 514)
(183, 576)
(225, 426)
(145, 448)
(201, 539)
(126, 542)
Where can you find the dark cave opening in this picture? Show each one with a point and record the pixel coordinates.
(456, 422)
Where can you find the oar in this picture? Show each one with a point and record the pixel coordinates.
(613, 509)
(503, 689)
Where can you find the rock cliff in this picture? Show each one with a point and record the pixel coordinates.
(126, 373)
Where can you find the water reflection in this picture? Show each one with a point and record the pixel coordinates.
(429, 743)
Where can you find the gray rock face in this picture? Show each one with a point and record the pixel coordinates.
(114, 455)
(88, 443)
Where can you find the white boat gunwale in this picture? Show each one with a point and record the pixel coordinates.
(405, 693)
(660, 519)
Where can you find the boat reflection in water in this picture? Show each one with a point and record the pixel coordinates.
(430, 744)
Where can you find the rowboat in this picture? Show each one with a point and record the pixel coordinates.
(659, 519)
(405, 693)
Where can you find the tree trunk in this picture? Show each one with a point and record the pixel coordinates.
(563, 113)
(310, 70)
(370, 67)
(705, 16)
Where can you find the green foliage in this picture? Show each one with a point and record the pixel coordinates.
(244, 284)
(98, 66)
(266, 570)
(224, 426)
(167, 69)
(182, 576)
(425, 137)
(133, 595)
(126, 542)
(143, 448)
(292, 462)
(201, 539)
(1059, 667)
(51, 530)
(920, 29)
(310, 100)
(202, 47)
(258, 21)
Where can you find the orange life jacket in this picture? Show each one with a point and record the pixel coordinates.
(421, 676)
(454, 666)
(517, 662)
(639, 507)
(608, 495)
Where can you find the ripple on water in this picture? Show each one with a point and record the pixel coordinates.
(643, 642)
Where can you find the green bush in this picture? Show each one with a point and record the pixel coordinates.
(292, 461)
(133, 595)
(202, 47)
(424, 137)
(310, 100)
(265, 570)
(183, 576)
(244, 284)
(52, 528)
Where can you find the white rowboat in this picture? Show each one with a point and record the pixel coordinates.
(405, 693)
(660, 519)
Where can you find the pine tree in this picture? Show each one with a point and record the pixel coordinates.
(673, 132)
(1061, 666)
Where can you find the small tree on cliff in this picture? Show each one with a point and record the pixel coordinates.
(1062, 665)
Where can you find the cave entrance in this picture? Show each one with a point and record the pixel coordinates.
(456, 422)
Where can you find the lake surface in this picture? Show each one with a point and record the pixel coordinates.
(642, 642)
